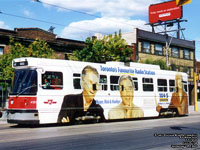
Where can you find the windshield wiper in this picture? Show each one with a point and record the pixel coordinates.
(26, 89)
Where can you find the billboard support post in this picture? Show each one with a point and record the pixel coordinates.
(166, 13)
(178, 32)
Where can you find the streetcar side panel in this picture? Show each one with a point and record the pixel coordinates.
(119, 92)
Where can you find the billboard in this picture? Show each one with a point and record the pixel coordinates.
(182, 2)
(164, 12)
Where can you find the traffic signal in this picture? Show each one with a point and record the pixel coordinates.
(182, 2)
(198, 77)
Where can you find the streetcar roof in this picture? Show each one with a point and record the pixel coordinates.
(38, 62)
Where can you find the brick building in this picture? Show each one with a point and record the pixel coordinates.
(61, 46)
(198, 83)
(152, 46)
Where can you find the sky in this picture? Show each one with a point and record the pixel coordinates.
(79, 19)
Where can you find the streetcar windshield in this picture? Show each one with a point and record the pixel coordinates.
(25, 82)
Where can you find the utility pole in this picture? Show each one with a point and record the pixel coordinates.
(167, 49)
(196, 78)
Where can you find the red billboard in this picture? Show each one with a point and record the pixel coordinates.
(164, 12)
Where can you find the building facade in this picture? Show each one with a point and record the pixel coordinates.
(61, 46)
(198, 82)
(179, 53)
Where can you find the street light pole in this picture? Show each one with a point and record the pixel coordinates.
(167, 48)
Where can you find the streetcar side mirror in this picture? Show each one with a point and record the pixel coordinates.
(41, 70)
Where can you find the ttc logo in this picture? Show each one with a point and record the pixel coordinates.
(50, 101)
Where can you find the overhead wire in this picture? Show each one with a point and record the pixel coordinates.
(58, 24)
(48, 22)
(85, 13)
(69, 9)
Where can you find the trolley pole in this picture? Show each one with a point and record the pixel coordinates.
(195, 91)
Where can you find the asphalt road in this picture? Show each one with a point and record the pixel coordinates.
(156, 134)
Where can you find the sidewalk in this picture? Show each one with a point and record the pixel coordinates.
(192, 111)
(191, 108)
(3, 119)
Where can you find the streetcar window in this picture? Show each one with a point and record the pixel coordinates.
(52, 80)
(25, 82)
(172, 85)
(185, 86)
(77, 81)
(147, 84)
(135, 81)
(162, 85)
(103, 82)
(114, 86)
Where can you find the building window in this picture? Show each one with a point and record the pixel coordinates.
(175, 52)
(146, 47)
(186, 54)
(1, 50)
(186, 69)
(158, 49)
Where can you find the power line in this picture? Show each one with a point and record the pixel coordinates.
(81, 12)
(48, 22)
(58, 24)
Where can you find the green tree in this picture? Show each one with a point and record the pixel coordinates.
(161, 63)
(109, 48)
(38, 49)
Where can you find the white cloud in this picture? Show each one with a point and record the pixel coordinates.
(87, 28)
(107, 8)
(27, 13)
(117, 10)
(3, 25)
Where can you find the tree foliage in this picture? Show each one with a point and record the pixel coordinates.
(109, 48)
(161, 63)
(36, 49)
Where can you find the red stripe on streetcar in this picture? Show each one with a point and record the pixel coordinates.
(24, 102)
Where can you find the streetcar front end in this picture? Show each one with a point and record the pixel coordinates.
(22, 105)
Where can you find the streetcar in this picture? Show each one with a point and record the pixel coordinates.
(48, 91)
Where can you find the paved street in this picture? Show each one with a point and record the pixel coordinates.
(163, 133)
